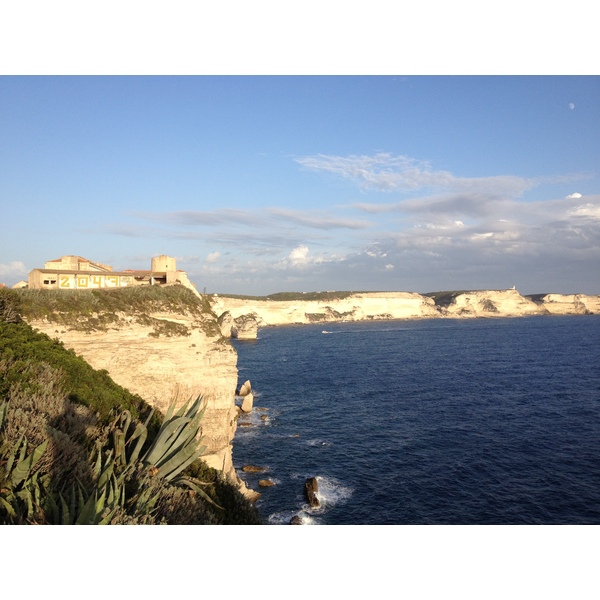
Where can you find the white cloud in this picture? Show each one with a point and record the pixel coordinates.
(573, 196)
(13, 269)
(298, 256)
(587, 210)
(317, 219)
(213, 257)
(386, 172)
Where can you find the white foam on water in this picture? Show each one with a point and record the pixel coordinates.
(317, 443)
(284, 518)
(254, 418)
(332, 492)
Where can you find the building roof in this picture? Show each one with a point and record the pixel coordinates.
(81, 259)
(107, 273)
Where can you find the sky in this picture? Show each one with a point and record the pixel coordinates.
(260, 184)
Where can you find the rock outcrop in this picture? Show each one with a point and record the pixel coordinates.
(253, 469)
(248, 402)
(245, 389)
(490, 303)
(311, 487)
(265, 483)
(225, 322)
(245, 327)
(245, 392)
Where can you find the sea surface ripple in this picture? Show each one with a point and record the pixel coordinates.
(445, 421)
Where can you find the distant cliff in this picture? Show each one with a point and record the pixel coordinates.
(283, 309)
(350, 307)
(569, 304)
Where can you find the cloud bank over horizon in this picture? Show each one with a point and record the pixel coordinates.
(421, 228)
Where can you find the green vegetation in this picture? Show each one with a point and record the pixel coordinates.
(445, 299)
(488, 306)
(329, 315)
(537, 298)
(295, 296)
(77, 448)
(21, 347)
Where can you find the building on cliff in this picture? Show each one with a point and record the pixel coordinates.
(76, 272)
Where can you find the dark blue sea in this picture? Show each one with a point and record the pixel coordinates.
(441, 421)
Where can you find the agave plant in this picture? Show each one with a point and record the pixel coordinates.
(127, 482)
(20, 495)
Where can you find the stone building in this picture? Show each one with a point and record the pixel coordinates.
(78, 273)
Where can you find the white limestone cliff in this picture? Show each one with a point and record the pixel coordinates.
(355, 307)
(402, 305)
(571, 304)
(164, 369)
(491, 303)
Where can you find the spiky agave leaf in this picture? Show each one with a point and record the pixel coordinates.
(177, 443)
(8, 507)
(165, 439)
(185, 457)
(24, 467)
(194, 485)
(141, 432)
(3, 409)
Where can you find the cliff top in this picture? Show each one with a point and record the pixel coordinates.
(98, 310)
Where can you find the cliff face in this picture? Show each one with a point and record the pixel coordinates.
(489, 303)
(355, 307)
(571, 304)
(404, 305)
(163, 368)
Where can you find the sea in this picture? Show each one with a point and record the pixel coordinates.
(435, 421)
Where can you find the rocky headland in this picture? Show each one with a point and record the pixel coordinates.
(165, 352)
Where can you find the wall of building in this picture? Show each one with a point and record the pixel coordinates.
(81, 280)
(164, 263)
(68, 273)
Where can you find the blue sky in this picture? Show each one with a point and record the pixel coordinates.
(259, 184)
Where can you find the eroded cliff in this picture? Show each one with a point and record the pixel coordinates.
(488, 303)
(166, 346)
(353, 307)
(401, 305)
(570, 304)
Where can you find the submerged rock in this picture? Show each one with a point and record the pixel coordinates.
(296, 520)
(265, 483)
(253, 469)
